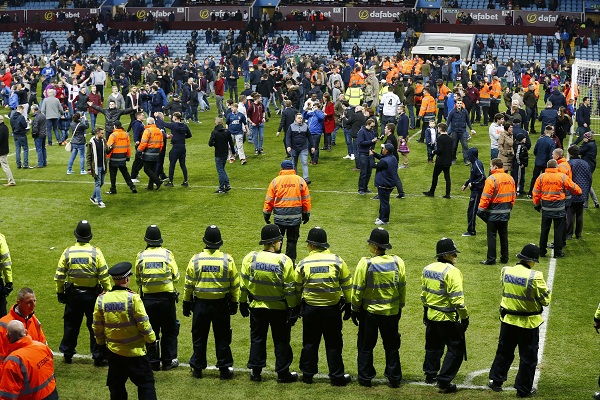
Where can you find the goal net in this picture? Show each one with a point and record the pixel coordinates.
(585, 76)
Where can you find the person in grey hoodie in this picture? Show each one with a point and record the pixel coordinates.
(297, 143)
(52, 109)
(78, 126)
(38, 131)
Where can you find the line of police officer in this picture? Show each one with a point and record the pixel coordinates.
(274, 294)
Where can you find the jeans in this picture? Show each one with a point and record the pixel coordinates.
(77, 148)
(462, 138)
(303, 155)
(266, 102)
(258, 134)
(384, 203)
(348, 137)
(52, 125)
(93, 121)
(385, 119)
(40, 148)
(315, 142)
(21, 143)
(177, 153)
(223, 178)
(98, 182)
(411, 116)
(220, 105)
(365, 172)
(494, 152)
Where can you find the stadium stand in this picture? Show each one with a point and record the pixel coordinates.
(563, 5)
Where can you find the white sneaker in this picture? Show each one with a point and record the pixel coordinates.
(135, 180)
(83, 173)
(70, 172)
(347, 157)
(94, 201)
(101, 204)
(380, 222)
(352, 157)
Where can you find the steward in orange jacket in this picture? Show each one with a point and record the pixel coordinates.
(289, 199)
(497, 200)
(119, 151)
(151, 145)
(549, 195)
(428, 106)
(28, 371)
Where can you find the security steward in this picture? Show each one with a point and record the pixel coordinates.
(445, 316)
(378, 295)
(211, 292)
(549, 193)
(124, 333)
(23, 312)
(156, 272)
(497, 200)
(427, 111)
(151, 146)
(268, 296)
(6, 283)
(442, 95)
(81, 275)
(28, 372)
(323, 282)
(119, 151)
(288, 198)
(524, 294)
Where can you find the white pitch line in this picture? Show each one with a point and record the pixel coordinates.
(544, 326)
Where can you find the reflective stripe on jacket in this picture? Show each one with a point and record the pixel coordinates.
(156, 270)
(442, 292)
(31, 323)
(83, 265)
(287, 197)
(120, 146)
(549, 190)
(523, 291)
(498, 196)
(211, 274)
(322, 279)
(267, 281)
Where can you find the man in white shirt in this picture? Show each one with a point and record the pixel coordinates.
(99, 79)
(495, 130)
(389, 112)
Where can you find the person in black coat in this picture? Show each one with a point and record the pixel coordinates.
(221, 140)
(287, 118)
(443, 161)
(386, 178)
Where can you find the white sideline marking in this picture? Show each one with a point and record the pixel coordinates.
(545, 315)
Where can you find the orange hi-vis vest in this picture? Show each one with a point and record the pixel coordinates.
(443, 92)
(120, 146)
(484, 92)
(496, 90)
(31, 323)
(287, 197)
(550, 190)
(152, 142)
(498, 196)
(428, 105)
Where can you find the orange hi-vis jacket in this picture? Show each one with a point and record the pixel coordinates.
(496, 90)
(428, 106)
(565, 168)
(119, 145)
(419, 92)
(356, 78)
(550, 190)
(32, 324)
(152, 142)
(498, 196)
(484, 92)
(442, 92)
(28, 371)
(287, 197)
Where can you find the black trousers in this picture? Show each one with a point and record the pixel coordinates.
(3, 306)
(472, 211)
(575, 220)
(135, 368)
(292, 233)
(537, 170)
(384, 203)
(499, 228)
(177, 153)
(205, 313)
(437, 170)
(440, 334)
(325, 322)
(138, 165)
(160, 165)
(260, 320)
(369, 328)
(78, 305)
(150, 170)
(112, 169)
(528, 341)
(162, 314)
(559, 226)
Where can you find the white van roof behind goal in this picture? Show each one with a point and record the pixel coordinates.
(449, 44)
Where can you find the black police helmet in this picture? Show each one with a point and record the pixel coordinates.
(153, 236)
(531, 252)
(269, 234)
(212, 237)
(120, 271)
(318, 237)
(445, 246)
(83, 232)
(380, 238)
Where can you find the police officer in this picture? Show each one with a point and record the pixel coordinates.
(524, 294)
(123, 331)
(156, 272)
(378, 295)
(29, 371)
(597, 326)
(6, 284)
(497, 200)
(268, 296)
(445, 316)
(211, 292)
(81, 275)
(324, 284)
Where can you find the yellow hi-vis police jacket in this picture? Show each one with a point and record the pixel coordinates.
(211, 275)
(83, 265)
(322, 279)
(268, 281)
(156, 270)
(5, 262)
(379, 285)
(524, 291)
(121, 322)
(442, 292)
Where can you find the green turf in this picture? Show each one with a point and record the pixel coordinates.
(40, 213)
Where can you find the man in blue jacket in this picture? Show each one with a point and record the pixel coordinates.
(583, 116)
(366, 139)
(543, 153)
(297, 143)
(314, 119)
(475, 183)
(19, 131)
(386, 178)
(458, 121)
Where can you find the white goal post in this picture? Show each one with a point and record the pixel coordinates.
(585, 76)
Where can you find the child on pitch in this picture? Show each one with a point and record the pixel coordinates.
(403, 150)
(430, 140)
